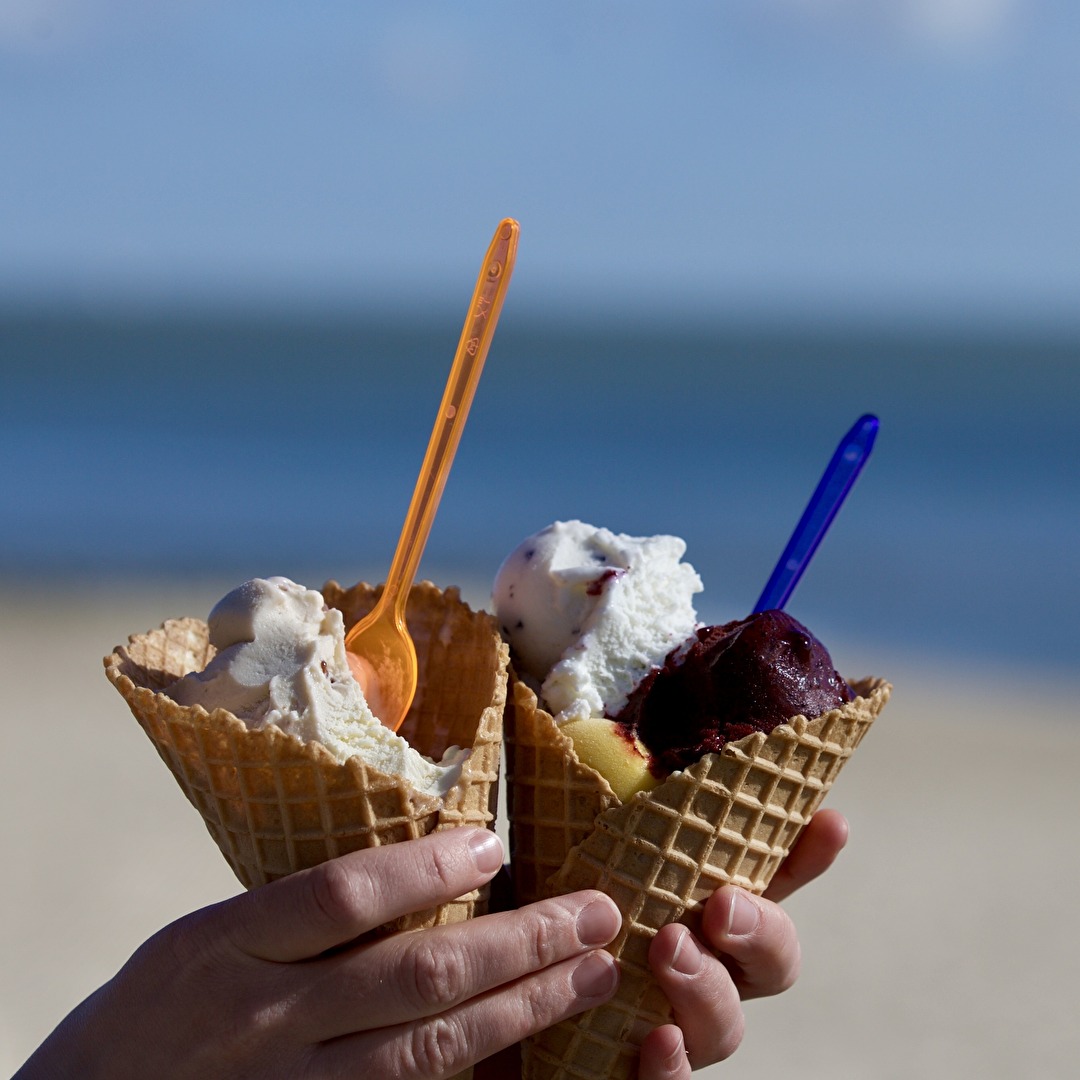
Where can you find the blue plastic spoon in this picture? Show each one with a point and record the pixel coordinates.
(832, 489)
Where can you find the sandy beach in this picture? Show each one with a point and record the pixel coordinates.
(941, 945)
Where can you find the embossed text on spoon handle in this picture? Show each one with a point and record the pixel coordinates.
(472, 350)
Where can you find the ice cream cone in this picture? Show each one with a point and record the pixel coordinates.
(274, 804)
(731, 817)
(553, 799)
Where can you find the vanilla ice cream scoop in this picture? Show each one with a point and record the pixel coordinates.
(281, 660)
(588, 613)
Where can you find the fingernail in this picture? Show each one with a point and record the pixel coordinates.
(742, 915)
(595, 976)
(487, 851)
(686, 959)
(597, 923)
(677, 1056)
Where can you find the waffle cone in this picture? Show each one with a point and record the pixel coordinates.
(274, 804)
(553, 800)
(731, 817)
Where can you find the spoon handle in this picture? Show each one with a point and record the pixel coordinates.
(472, 350)
(830, 493)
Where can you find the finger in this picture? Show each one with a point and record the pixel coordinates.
(755, 937)
(309, 912)
(814, 852)
(663, 1055)
(702, 994)
(445, 1044)
(407, 977)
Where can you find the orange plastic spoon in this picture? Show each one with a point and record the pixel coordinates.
(380, 650)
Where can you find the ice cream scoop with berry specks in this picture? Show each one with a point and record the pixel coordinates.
(588, 612)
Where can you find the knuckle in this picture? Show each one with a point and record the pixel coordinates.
(443, 868)
(245, 1029)
(436, 1047)
(544, 1001)
(776, 956)
(539, 1006)
(181, 947)
(544, 937)
(337, 895)
(437, 976)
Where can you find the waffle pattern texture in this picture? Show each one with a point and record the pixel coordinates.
(553, 800)
(274, 804)
(732, 817)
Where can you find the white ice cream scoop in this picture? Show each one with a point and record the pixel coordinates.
(588, 612)
(281, 660)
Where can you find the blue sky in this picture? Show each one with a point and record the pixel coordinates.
(843, 156)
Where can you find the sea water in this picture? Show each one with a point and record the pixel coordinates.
(185, 444)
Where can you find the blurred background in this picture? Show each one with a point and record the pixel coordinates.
(237, 242)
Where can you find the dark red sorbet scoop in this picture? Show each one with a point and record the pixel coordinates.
(745, 676)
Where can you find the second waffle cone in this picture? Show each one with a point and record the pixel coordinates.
(731, 817)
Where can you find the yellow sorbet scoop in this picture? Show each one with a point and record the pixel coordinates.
(380, 651)
(622, 761)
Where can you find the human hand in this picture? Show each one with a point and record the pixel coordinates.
(272, 983)
(752, 950)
